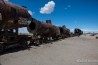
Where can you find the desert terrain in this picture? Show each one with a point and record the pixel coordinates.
(81, 50)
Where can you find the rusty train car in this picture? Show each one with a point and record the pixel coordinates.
(43, 29)
(77, 32)
(65, 32)
(13, 17)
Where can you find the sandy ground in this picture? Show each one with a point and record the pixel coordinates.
(70, 51)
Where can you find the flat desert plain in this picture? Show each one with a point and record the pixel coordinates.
(81, 50)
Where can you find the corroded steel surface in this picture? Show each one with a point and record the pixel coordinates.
(13, 16)
(42, 28)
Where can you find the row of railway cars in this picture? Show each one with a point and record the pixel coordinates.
(13, 17)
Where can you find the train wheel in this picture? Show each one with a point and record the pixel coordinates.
(1, 48)
(37, 43)
(24, 43)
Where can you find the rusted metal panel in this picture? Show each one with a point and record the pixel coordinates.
(42, 28)
(65, 32)
(78, 32)
(13, 16)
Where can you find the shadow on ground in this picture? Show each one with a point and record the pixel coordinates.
(17, 49)
(13, 50)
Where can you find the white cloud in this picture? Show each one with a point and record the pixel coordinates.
(48, 8)
(69, 6)
(30, 12)
(66, 8)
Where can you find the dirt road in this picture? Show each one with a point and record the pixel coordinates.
(70, 51)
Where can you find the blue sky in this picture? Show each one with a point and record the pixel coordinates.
(81, 14)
